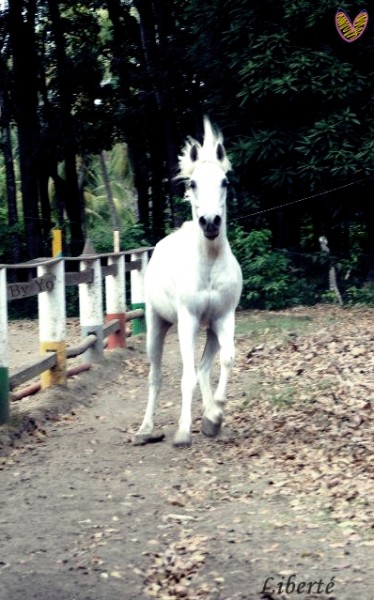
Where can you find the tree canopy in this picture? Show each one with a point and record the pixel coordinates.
(293, 99)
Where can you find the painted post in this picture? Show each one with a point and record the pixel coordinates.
(137, 290)
(91, 308)
(115, 295)
(116, 240)
(56, 242)
(4, 366)
(52, 322)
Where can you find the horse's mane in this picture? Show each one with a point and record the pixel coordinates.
(206, 152)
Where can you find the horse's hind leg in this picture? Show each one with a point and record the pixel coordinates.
(156, 332)
(212, 416)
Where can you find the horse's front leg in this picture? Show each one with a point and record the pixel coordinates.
(188, 327)
(224, 329)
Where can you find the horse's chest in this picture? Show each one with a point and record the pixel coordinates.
(210, 298)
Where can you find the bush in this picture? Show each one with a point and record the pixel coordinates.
(265, 272)
(361, 295)
(271, 280)
(101, 236)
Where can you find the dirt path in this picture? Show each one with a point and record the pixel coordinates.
(262, 512)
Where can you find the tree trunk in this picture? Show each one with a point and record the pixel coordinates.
(73, 201)
(122, 25)
(45, 206)
(154, 99)
(25, 107)
(141, 183)
(10, 186)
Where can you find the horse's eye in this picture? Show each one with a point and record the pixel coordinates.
(192, 185)
(225, 182)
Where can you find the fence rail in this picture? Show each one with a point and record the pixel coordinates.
(101, 327)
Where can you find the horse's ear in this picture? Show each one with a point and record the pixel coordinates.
(220, 152)
(193, 153)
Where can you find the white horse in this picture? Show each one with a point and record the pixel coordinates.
(193, 279)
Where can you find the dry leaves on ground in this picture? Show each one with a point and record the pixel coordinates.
(173, 570)
(312, 410)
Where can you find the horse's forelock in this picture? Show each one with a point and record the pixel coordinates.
(212, 150)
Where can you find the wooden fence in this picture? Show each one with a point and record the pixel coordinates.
(100, 326)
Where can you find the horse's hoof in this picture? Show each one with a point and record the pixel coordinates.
(147, 438)
(210, 428)
(182, 440)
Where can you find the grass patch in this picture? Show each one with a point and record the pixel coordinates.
(275, 394)
(282, 396)
(259, 324)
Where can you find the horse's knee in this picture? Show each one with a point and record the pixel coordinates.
(189, 379)
(155, 377)
(227, 357)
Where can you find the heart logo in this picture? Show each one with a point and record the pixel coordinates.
(348, 31)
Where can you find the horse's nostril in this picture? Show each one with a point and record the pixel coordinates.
(202, 221)
(217, 221)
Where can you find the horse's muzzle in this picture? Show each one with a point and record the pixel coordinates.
(210, 227)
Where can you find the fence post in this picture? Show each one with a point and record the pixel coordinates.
(56, 242)
(4, 365)
(91, 308)
(333, 284)
(52, 322)
(115, 297)
(137, 290)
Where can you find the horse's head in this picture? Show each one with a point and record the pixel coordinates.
(204, 168)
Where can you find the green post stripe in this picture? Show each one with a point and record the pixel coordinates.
(4, 395)
(139, 325)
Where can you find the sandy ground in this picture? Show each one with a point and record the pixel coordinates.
(85, 515)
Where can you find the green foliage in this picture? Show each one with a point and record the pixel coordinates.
(361, 295)
(315, 113)
(8, 235)
(329, 297)
(4, 239)
(101, 236)
(353, 269)
(357, 236)
(267, 277)
(23, 309)
(274, 279)
(99, 225)
(181, 213)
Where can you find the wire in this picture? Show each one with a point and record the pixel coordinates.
(258, 212)
(266, 210)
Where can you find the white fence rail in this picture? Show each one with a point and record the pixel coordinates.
(101, 326)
